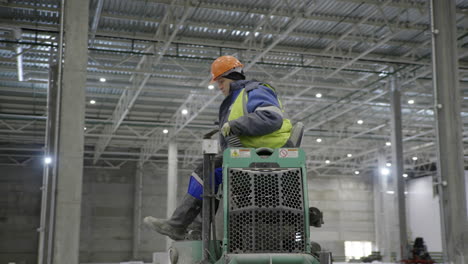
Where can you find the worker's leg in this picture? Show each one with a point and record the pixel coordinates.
(190, 206)
(195, 228)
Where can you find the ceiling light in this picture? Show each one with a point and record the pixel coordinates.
(414, 158)
(319, 95)
(388, 143)
(388, 164)
(383, 74)
(102, 79)
(319, 140)
(356, 172)
(349, 155)
(184, 111)
(165, 131)
(256, 34)
(360, 122)
(384, 171)
(47, 160)
(327, 161)
(405, 175)
(211, 87)
(92, 102)
(390, 192)
(410, 101)
(84, 128)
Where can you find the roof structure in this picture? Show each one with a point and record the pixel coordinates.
(331, 61)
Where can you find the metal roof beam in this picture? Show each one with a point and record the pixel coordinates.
(320, 17)
(194, 104)
(95, 23)
(281, 36)
(226, 44)
(282, 13)
(139, 81)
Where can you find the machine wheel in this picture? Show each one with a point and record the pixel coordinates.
(325, 257)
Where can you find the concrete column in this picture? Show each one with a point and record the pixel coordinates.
(384, 212)
(137, 205)
(450, 178)
(47, 201)
(70, 141)
(397, 168)
(378, 209)
(171, 183)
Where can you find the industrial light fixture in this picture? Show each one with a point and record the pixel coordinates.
(360, 122)
(384, 171)
(318, 95)
(356, 172)
(102, 79)
(410, 101)
(319, 140)
(388, 164)
(327, 161)
(388, 143)
(19, 62)
(184, 111)
(349, 155)
(414, 158)
(84, 128)
(92, 101)
(211, 87)
(165, 131)
(405, 175)
(383, 74)
(390, 192)
(47, 160)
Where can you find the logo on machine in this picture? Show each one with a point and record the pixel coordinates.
(288, 153)
(240, 153)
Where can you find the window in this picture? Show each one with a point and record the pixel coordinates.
(357, 249)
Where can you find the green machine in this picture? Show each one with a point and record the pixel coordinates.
(266, 211)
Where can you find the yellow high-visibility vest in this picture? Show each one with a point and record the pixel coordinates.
(275, 139)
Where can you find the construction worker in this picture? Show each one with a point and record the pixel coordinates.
(252, 112)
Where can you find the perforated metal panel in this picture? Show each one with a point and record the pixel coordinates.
(266, 211)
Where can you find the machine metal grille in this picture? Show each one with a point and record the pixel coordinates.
(266, 211)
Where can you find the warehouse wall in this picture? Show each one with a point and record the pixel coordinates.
(424, 213)
(155, 204)
(20, 212)
(107, 212)
(347, 205)
(107, 219)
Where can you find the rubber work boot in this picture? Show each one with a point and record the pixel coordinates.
(176, 226)
(194, 230)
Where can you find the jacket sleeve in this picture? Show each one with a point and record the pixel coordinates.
(264, 114)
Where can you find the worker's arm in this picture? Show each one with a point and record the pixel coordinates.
(264, 114)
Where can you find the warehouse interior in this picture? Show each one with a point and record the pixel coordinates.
(104, 104)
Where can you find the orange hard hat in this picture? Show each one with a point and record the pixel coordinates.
(224, 65)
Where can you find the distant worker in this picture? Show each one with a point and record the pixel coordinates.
(250, 111)
(420, 250)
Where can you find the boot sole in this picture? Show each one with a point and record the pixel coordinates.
(167, 233)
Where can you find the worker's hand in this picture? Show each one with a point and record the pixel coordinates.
(226, 129)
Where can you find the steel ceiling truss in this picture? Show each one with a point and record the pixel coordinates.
(350, 68)
(139, 81)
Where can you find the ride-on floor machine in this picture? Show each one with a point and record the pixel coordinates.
(266, 210)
